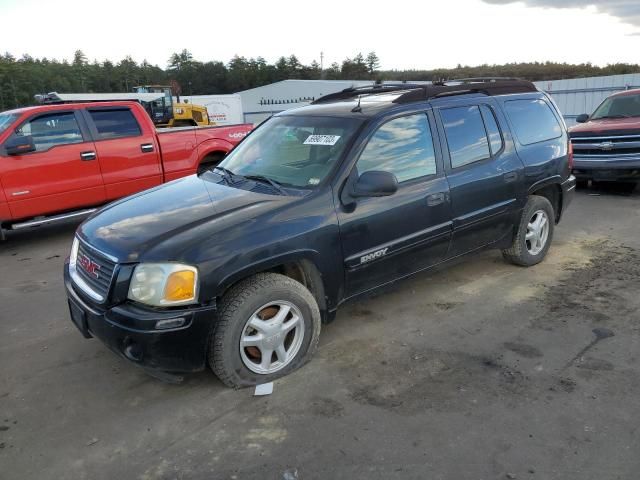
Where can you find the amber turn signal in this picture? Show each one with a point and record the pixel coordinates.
(180, 286)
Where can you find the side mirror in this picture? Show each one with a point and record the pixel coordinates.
(582, 118)
(19, 144)
(375, 184)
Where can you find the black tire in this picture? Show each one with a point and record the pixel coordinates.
(518, 253)
(582, 184)
(238, 305)
(210, 161)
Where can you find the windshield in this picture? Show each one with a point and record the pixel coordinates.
(6, 119)
(618, 107)
(292, 150)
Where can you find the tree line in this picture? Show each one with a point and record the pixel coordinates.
(22, 78)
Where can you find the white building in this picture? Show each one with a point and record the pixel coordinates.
(261, 102)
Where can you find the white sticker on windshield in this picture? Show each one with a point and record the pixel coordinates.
(322, 140)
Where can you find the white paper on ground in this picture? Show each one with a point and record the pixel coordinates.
(263, 389)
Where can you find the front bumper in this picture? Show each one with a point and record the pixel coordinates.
(610, 169)
(568, 192)
(130, 331)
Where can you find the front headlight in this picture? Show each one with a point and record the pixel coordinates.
(164, 284)
(73, 257)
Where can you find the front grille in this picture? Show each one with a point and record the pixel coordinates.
(607, 147)
(97, 272)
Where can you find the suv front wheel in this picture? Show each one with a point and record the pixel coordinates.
(268, 325)
(535, 231)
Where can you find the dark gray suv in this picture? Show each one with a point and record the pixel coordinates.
(236, 267)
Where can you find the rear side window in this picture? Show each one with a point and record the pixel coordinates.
(533, 120)
(493, 132)
(402, 146)
(466, 136)
(50, 130)
(115, 123)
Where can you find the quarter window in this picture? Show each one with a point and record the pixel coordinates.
(466, 135)
(48, 131)
(403, 146)
(533, 120)
(115, 123)
(493, 132)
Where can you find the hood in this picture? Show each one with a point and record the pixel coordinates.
(607, 126)
(191, 205)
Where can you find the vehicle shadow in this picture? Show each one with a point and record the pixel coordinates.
(36, 236)
(611, 188)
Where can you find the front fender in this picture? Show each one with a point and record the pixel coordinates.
(268, 264)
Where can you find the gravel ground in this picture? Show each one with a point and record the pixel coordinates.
(480, 371)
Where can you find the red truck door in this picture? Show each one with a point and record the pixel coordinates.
(61, 174)
(127, 149)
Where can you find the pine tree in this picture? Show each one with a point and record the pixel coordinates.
(373, 62)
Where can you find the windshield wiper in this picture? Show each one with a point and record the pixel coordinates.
(228, 174)
(263, 179)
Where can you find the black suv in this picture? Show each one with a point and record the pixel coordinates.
(238, 266)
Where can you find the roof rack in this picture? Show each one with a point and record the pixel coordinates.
(483, 86)
(414, 92)
(352, 92)
(477, 80)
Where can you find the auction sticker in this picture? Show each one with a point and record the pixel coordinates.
(322, 140)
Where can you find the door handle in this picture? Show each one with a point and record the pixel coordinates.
(510, 177)
(435, 199)
(146, 147)
(86, 156)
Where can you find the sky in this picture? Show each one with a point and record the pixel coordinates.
(405, 35)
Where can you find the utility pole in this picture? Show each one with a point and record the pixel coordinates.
(322, 65)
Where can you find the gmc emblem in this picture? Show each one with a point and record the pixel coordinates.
(89, 265)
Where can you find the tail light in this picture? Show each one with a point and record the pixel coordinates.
(570, 155)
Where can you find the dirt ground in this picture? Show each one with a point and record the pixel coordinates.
(482, 371)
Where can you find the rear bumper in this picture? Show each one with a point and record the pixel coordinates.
(607, 169)
(131, 332)
(568, 192)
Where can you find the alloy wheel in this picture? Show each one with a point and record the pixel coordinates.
(537, 232)
(272, 337)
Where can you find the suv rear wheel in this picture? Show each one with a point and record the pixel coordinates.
(268, 326)
(534, 235)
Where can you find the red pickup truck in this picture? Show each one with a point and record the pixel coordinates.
(606, 144)
(60, 161)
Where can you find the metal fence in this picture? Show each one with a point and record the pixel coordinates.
(582, 95)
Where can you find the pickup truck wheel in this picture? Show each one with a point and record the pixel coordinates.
(268, 325)
(533, 239)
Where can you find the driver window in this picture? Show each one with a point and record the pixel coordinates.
(50, 130)
(403, 146)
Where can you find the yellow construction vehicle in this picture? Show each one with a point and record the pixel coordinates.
(166, 113)
(185, 113)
